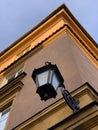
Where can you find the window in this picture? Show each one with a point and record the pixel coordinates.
(8, 92)
(15, 75)
(10, 77)
(3, 118)
(11, 74)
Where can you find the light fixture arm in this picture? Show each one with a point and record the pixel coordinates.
(48, 78)
(72, 103)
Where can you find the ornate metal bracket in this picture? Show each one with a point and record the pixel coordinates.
(72, 103)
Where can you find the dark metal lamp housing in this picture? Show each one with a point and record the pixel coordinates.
(47, 79)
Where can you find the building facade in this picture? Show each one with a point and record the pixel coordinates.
(61, 40)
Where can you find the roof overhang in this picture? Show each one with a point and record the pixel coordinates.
(59, 21)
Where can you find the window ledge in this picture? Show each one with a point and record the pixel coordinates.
(10, 89)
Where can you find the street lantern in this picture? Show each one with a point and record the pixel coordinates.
(47, 79)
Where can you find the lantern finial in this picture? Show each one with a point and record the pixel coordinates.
(47, 63)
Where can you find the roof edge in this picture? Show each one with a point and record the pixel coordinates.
(63, 6)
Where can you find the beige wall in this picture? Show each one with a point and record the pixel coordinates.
(87, 70)
(75, 61)
(74, 66)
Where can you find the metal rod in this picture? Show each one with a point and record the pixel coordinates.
(72, 103)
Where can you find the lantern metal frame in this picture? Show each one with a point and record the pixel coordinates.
(47, 90)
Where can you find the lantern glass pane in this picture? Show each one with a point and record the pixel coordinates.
(42, 78)
(55, 82)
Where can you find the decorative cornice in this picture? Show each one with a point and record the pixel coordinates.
(86, 124)
(9, 91)
(81, 41)
(39, 45)
(63, 15)
(11, 86)
(60, 109)
(36, 47)
(63, 6)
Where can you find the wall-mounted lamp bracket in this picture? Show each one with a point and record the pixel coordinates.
(72, 103)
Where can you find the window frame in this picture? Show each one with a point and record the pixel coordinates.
(11, 76)
(8, 93)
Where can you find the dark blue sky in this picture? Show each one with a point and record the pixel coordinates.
(18, 16)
